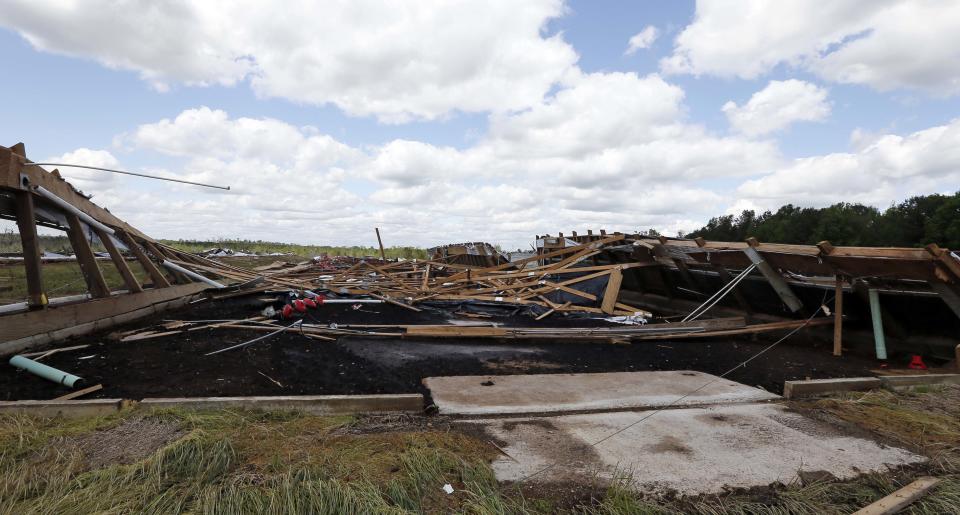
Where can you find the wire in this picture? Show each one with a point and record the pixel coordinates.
(264, 337)
(132, 173)
(688, 394)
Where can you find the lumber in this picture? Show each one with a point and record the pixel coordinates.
(612, 292)
(159, 280)
(838, 318)
(27, 225)
(900, 499)
(92, 274)
(80, 393)
(120, 262)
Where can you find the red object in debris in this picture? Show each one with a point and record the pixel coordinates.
(299, 305)
(310, 303)
(319, 299)
(916, 363)
(287, 311)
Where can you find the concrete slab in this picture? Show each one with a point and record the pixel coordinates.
(558, 393)
(919, 379)
(688, 450)
(67, 409)
(806, 388)
(315, 404)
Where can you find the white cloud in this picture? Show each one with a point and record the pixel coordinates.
(889, 169)
(642, 39)
(777, 106)
(394, 60)
(884, 44)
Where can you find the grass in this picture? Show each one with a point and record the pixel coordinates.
(246, 462)
(61, 279)
(252, 462)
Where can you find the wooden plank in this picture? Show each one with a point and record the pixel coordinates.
(80, 393)
(950, 295)
(901, 498)
(26, 223)
(133, 285)
(159, 280)
(838, 318)
(96, 284)
(612, 292)
(22, 325)
(158, 252)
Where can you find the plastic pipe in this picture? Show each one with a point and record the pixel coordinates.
(349, 301)
(192, 274)
(45, 193)
(46, 372)
(878, 336)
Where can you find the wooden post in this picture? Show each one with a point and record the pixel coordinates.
(118, 261)
(159, 280)
(838, 318)
(26, 223)
(88, 262)
(383, 255)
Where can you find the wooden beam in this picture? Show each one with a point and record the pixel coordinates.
(383, 255)
(92, 274)
(900, 499)
(101, 311)
(133, 286)
(838, 318)
(774, 278)
(159, 280)
(157, 251)
(612, 292)
(26, 223)
(949, 293)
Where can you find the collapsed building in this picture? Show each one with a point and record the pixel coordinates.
(606, 287)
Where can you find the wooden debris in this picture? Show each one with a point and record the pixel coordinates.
(80, 393)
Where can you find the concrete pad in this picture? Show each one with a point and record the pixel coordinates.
(919, 379)
(315, 404)
(794, 389)
(558, 393)
(69, 409)
(688, 450)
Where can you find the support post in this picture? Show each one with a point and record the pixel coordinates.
(159, 280)
(773, 277)
(133, 286)
(838, 318)
(88, 262)
(878, 336)
(383, 255)
(158, 252)
(26, 223)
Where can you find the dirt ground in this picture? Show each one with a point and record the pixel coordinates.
(175, 365)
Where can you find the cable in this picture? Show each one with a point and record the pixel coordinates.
(722, 292)
(264, 337)
(688, 394)
(132, 173)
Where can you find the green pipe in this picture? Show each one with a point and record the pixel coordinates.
(878, 336)
(46, 372)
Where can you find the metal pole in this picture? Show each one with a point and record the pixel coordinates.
(383, 255)
(131, 173)
(192, 274)
(47, 194)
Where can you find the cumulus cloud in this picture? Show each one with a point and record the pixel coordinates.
(82, 178)
(887, 170)
(777, 106)
(642, 39)
(395, 60)
(884, 44)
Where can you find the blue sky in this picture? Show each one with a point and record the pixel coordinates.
(481, 120)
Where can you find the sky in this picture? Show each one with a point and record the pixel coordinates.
(450, 121)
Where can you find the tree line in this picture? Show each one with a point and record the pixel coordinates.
(914, 222)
